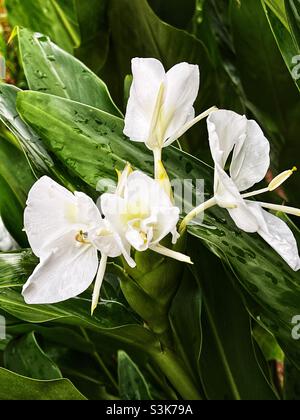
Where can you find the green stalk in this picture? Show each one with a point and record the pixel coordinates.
(176, 372)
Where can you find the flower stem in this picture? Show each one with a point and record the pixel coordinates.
(194, 213)
(157, 153)
(176, 372)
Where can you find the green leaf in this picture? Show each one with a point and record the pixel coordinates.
(50, 69)
(132, 384)
(293, 13)
(228, 371)
(94, 32)
(278, 8)
(55, 18)
(185, 318)
(29, 140)
(268, 344)
(11, 212)
(16, 387)
(174, 12)
(15, 267)
(25, 357)
(285, 41)
(15, 170)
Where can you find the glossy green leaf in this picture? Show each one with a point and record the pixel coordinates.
(29, 140)
(56, 18)
(50, 69)
(15, 170)
(11, 212)
(292, 8)
(25, 357)
(17, 387)
(278, 8)
(132, 384)
(286, 42)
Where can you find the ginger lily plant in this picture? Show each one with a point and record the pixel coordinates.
(128, 293)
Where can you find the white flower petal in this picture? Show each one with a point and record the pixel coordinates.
(182, 87)
(149, 192)
(148, 75)
(136, 239)
(251, 158)
(65, 273)
(277, 234)
(228, 196)
(167, 219)
(51, 210)
(225, 129)
(229, 131)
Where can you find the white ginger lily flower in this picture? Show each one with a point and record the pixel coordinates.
(160, 107)
(143, 214)
(230, 133)
(65, 231)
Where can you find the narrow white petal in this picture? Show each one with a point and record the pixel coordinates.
(225, 129)
(98, 282)
(182, 87)
(182, 130)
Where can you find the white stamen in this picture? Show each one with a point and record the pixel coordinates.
(189, 125)
(172, 254)
(274, 184)
(284, 209)
(281, 178)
